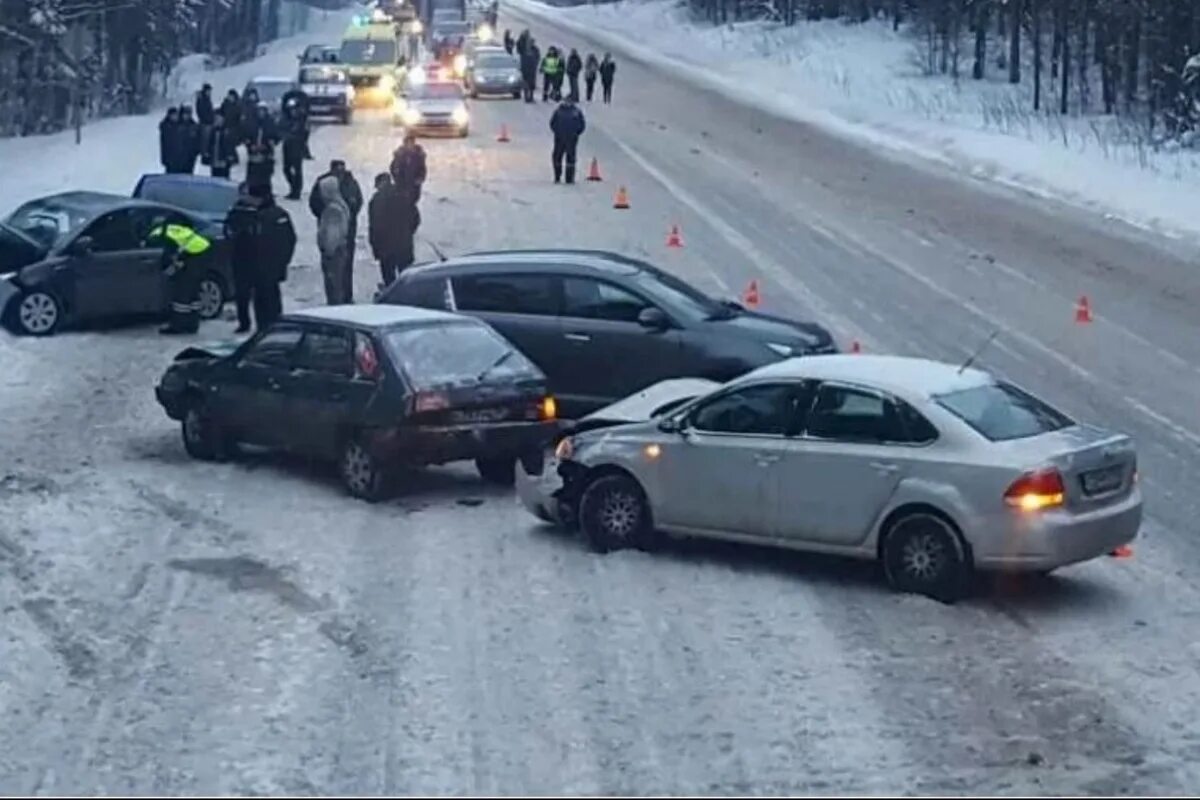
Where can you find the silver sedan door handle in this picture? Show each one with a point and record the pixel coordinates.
(578, 337)
(883, 466)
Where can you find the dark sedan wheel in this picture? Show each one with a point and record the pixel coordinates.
(614, 515)
(203, 437)
(362, 473)
(922, 554)
(211, 296)
(500, 471)
(37, 313)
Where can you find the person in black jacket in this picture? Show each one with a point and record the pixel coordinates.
(260, 150)
(249, 114)
(523, 42)
(205, 111)
(608, 69)
(408, 169)
(568, 125)
(393, 221)
(190, 141)
(168, 141)
(262, 241)
(574, 67)
(531, 60)
(351, 193)
(590, 70)
(509, 43)
(295, 150)
(220, 149)
(231, 110)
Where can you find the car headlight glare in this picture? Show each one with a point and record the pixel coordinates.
(411, 116)
(781, 349)
(460, 64)
(387, 83)
(460, 115)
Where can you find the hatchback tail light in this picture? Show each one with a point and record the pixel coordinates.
(431, 401)
(1035, 491)
(548, 408)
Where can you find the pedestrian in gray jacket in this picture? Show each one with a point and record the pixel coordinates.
(333, 240)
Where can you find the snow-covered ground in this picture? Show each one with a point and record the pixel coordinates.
(865, 81)
(114, 152)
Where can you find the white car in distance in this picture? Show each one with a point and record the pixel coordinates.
(933, 469)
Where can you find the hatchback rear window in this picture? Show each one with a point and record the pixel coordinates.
(1002, 412)
(456, 354)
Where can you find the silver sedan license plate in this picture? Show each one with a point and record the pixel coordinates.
(1100, 481)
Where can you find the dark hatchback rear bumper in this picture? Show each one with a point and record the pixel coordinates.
(440, 444)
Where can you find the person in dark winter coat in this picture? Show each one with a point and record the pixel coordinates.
(297, 102)
(231, 110)
(262, 243)
(608, 69)
(590, 70)
(220, 148)
(295, 150)
(393, 221)
(523, 42)
(168, 141)
(204, 106)
(567, 124)
(260, 151)
(509, 43)
(530, 60)
(190, 140)
(351, 194)
(408, 169)
(574, 67)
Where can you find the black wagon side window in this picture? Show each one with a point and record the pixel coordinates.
(274, 348)
(507, 294)
(591, 299)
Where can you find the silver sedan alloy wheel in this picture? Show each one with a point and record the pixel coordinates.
(924, 556)
(38, 312)
(619, 514)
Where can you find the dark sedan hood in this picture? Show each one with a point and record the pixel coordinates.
(806, 336)
(222, 349)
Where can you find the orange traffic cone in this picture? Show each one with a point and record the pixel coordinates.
(1124, 551)
(503, 137)
(855, 347)
(674, 238)
(1083, 310)
(622, 199)
(750, 296)
(594, 171)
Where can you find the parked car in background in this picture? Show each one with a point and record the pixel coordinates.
(374, 388)
(207, 197)
(320, 54)
(433, 109)
(493, 72)
(94, 262)
(329, 91)
(603, 326)
(270, 92)
(933, 469)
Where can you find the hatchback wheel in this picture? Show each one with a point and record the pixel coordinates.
(923, 554)
(203, 437)
(614, 515)
(211, 297)
(38, 313)
(500, 471)
(361, 471)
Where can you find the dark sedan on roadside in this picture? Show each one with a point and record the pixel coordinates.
(374, 388)
(603, 326)
(92, 259)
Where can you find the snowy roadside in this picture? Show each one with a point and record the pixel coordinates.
(115, 152)
(860, 82)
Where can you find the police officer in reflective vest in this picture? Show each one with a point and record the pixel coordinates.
(183, 249)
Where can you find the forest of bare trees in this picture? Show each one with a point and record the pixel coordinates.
(1137, 58)
(60, 59)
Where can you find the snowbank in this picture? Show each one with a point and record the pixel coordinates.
(864, 81)
(115, 152)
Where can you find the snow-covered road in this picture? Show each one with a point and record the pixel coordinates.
(173, 627)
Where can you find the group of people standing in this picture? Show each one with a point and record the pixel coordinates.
(214, 133)
(554, 69)
(393, 219)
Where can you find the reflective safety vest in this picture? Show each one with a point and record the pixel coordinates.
(551, 65)
(186, 239)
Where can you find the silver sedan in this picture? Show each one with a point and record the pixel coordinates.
(933, 469)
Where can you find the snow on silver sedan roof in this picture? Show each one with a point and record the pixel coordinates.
(901, 375)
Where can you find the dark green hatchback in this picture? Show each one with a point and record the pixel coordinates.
(372, 387)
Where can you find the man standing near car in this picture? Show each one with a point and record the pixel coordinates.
(531, 59)
(295, 149)
(567, 124)
(262, 242)
(182, 263)
(408, 168)
(351, 194)
(220, 150)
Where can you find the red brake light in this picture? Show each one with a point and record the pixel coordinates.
(365, 360)
(1035, 491)
(432, 401)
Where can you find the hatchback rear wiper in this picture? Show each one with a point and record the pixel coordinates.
(505, 356)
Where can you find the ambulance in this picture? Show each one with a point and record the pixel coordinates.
(374, 54)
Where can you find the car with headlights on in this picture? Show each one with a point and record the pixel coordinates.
(602, 325)
(89, 256)
(329, 91)
(438, 109)
(375, 389)
(492, 71)
(932, 469)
